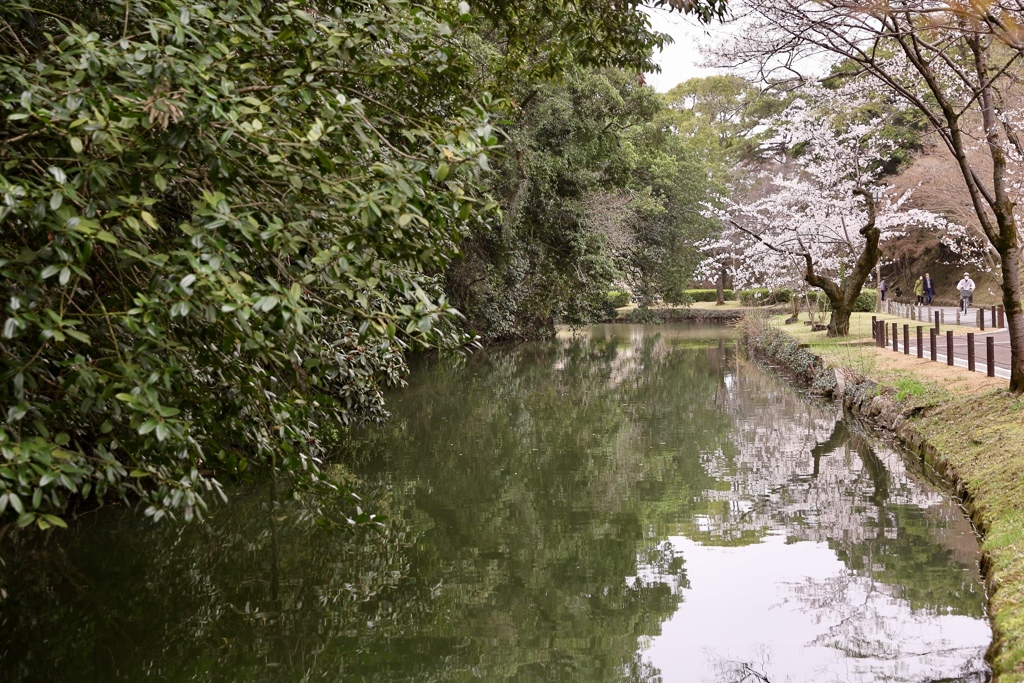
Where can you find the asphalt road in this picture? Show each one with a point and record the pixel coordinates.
(925, 317)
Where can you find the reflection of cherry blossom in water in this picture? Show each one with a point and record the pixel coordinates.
(746, 611)
(822, 559)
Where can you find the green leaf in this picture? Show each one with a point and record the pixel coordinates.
(80, 336)
(76, 145)
(55, 521)
(266, 303)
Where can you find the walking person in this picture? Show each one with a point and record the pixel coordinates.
(929, 289)
(966, 288)
(883, 288)
(919, 289)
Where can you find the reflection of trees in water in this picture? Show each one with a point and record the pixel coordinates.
(736, 671)
(256, 593)
(759, 669)
(529, 491)
(796, 467)
(540, 492)
(868, 622)
(517, 551)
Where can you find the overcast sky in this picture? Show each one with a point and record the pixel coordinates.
(679, 61)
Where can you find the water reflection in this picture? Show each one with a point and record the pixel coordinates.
(631, 504)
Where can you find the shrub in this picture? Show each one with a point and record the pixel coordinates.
(709, 294)
(680, 297)
(205, 256)
(643, 316)
(618, 299)
(866, 301)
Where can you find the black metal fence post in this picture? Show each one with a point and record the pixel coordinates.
(895, 337)
(949, 347)
(970, 351)
(920, 342)
(933, 335)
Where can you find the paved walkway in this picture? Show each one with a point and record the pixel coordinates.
(948, 315)
(925, 318)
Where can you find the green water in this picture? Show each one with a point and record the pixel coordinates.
(629, 504)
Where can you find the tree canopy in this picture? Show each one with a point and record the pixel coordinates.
(224, 225)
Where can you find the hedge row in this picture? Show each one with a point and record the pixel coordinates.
(709, 294)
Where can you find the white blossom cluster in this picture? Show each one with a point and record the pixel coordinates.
(802, 200)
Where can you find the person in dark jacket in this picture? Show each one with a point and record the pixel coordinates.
(929, 289)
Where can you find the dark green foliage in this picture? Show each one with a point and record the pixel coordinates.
(866, 301)
(721, 116)
(596, 189)
(642, 315)
(710, 294)
(618, 299)
(679, 297)
(223, 226)
(217, 234)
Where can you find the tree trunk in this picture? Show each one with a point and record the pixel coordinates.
(720, 301)
(1010, 267)
(839, 322)
(843, 298)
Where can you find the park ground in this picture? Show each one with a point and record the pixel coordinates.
(973, 429)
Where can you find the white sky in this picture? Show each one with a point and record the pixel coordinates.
(679, 61)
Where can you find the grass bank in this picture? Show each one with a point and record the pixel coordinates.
(964, 424)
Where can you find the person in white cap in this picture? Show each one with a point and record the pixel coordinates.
(966, 287)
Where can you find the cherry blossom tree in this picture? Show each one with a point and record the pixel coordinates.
(808, 215)
(954, 62)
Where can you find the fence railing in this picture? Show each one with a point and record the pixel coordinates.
(980, 317)
(880, 332)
